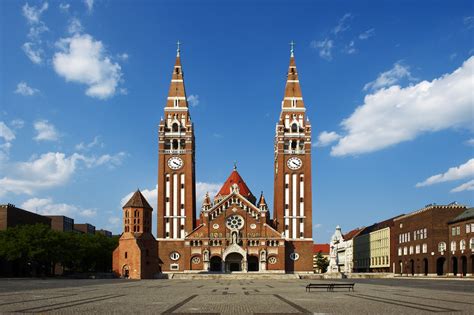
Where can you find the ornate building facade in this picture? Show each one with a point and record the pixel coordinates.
(234, 231)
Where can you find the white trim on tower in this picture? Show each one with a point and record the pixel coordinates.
(301, 205)
(294, 186)
(183, 198)
(287, 204)
(175, 205)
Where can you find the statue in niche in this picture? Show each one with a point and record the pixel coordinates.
(235, 237)
(263, 255)
(206, 255)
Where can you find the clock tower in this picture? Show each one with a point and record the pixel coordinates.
(292, 187)
(176, 175)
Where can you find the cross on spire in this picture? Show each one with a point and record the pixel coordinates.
(178, 49)
(292, 48)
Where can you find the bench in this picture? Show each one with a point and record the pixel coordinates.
(326, 286)
(330, 286)
(349, 286)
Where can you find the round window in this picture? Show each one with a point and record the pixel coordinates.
(272, 260)
(215, 226)
(196, 260)
(294, 256)
(235, 222)
(174, 256)
(253, 226)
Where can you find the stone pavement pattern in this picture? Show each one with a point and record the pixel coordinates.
(233, 297)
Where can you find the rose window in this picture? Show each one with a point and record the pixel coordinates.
(272, 260)
(235, 222)
(196, 260)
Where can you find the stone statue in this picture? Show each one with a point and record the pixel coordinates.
(234, 237)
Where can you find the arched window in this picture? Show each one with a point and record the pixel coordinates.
(126, 214)
(294, 127)
(441, 247)
(175, 127)
(175, 144)
(462, 245)
(453, 246)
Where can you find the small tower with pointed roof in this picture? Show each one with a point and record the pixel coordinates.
(262, 204)
(136, 256)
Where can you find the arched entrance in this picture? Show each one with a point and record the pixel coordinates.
(252, 262)
(425, 266)
(233, 262)
(216, 264)
(464, 265)
(440, 266)
(125, 272)
(412, 267)
(454, 266)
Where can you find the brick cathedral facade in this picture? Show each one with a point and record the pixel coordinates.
(234, 231)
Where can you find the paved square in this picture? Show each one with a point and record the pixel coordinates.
(224, 296)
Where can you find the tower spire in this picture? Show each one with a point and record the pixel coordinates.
(293, 98)
(178, 48)
(177, 93)
(292, 49)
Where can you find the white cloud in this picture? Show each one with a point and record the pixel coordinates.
(23, 89)
(45, 131)
(64, 7)
(87, 146)
(17, 123)
(193, 100)
(37, 30)
(32, 52)
(317, 225)
(123, 56)
(46, 206)
(51, 169)
(470, 142)
(454, 173)
(326, 138)
(350, 49)
(6, 133)
(464, 187)
(89, 4)
(114, 221)
(343, 24)
(390, 77)
(393, 115)
(324, 47)
(75, 26)
(84, 60)
(367, 34)
(469, 21)
(33, 14)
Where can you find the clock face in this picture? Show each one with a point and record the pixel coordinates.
(175, 163)
(294, 163)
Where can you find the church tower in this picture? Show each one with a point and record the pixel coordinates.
(292, 186)
(176, 174)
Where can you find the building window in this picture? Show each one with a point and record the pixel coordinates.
(468, 228)
(425, 248)
(405, 250)
(174, 256)
(458, 230)
(453, 231)
(453, 246)
(399, 251)
(462, 245)
(442, 247)
(411, 249)
(471, 243)
(417, 249)
(126, 255)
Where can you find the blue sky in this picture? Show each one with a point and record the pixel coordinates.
(388, 89)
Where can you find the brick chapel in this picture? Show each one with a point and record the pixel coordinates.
(234, 231)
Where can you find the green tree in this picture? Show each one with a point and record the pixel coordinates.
(322, 262)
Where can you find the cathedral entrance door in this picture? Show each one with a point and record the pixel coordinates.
(252, 263)
(216, 264)
(233, 262)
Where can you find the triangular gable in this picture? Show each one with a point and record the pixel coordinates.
(228, 201)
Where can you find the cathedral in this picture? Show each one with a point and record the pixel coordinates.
(234, 231)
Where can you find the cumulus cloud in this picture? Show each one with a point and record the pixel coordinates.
(193, 100)
(89, 5)
(46, 206)
(84, 60)
(367, 34)
(324, 47)
(17, 123)
(49, 170)
(469, 186)
(390, 77)
(87, 146)
(22, 88)
(454, 173)
(45, 131)
(34, 53)
(396, 114)
(6, 133)
(326, 138)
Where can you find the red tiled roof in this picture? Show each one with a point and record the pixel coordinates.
(137, 201)
(235, 178)
(350, 235)
(323, 248)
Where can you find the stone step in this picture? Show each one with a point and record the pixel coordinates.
(232, 276)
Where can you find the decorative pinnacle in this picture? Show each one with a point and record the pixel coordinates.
(235, 165)
(292, 48)
(178, 49)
